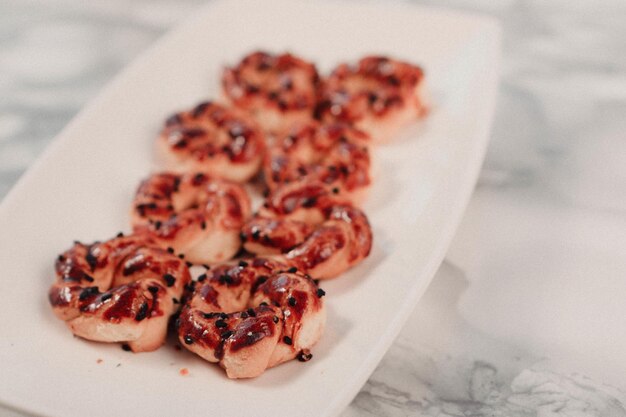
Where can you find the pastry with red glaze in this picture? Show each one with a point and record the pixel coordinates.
(378, 95)
(334, 154)
(251, 316)
(213, 139)
(197, 216)
(312, 228)
(120, 290)
(277, 90)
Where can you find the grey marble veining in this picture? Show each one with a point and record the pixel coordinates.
(526, 316)
(441, 365)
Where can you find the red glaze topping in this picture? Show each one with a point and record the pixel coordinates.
(209, 295)
(254, 329)
(340, 234)
(210, 130)
(283, 82)
(283, 235)
(129, 278)
(304, 195)
(213, 329)
(124, 304)
(319, 247)
(375, 86)
(335, 154)
(170, 206)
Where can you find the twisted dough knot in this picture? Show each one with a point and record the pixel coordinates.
(212, 139)
(377, 95)
(312, 229)
(277, 90)
(251, 316)
(120, 290)
(334, 154)
(192, 213)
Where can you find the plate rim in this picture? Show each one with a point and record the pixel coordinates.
(376, 353)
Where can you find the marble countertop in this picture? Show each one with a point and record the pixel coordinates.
(526, 316)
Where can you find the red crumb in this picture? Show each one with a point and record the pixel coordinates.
(99, 361)
(184, 371)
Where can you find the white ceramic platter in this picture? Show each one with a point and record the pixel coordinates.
(82, 186)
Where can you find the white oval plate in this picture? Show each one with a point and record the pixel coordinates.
(81, 188)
